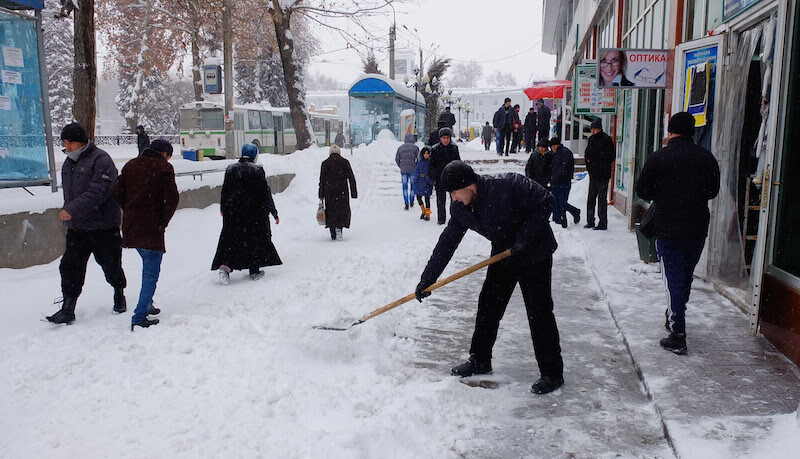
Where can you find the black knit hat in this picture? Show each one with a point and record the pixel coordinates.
(681, 123)
(161, 146)
(555, 141)
(458, 175)
(74, 132)
(597, 123)
(542, 143)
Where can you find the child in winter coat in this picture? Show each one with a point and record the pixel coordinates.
(422, 183)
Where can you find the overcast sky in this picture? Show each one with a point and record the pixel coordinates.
(480, 30)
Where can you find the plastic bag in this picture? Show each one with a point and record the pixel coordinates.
(321, 214)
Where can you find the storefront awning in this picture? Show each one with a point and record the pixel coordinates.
(550, 90)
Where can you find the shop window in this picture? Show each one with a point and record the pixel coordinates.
(658, 25)
(713, 14)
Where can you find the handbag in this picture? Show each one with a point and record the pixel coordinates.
(648, 224)
(321, 213)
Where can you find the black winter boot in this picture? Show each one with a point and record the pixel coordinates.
(546, 384)
(675, 342)
(154, 311)
(472, 367)
(65, 315)
(120, 304)
(589, 225)
(145, 323)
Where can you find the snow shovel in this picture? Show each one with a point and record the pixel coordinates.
(412, 296)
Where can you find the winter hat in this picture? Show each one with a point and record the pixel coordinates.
(249, 150)
(542, 143)
(445, 132)
(681, 123)
(458, 175)
(74, 132)
(140, 127)
(424, 149)
(335, 150)
(162, 146)
(597, 124)
(555, 141)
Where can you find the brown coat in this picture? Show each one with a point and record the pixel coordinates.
(147, 193)
(333, 179)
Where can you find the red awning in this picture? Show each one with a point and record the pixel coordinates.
(550, 90)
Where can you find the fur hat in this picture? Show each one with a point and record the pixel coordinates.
(335, 150)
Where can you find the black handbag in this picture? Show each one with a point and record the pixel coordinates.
(648, 224)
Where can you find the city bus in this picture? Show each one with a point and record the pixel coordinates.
(271, 129)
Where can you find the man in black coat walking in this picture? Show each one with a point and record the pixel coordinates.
(92, 218)
(530, 130)
(501, 125)
(513, 213)
(246, 204)
(442, 154)
(542, 120)
(680, 179)
(539, 167)
(561, 182)
(600, 154)
(516, 134)
(447, 118)
(142, 139)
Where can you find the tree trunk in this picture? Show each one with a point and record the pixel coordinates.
(291, 74)
(140, 67)
(84, 107)
(197, 65)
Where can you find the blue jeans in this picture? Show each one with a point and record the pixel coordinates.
(151, 268)
(408, 189)
(498, 143)
(678, 258)
(561, 206)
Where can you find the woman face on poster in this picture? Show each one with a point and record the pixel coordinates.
(612, 69)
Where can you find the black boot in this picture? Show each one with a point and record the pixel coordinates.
(589, 225)
(675, 342)
(406, 207)
(145, 323)
(472, 367)
(154, 311)
(65, 315)
(120, 305)
(546, 385)
(601, 227)
(577, 217)
(333, 233)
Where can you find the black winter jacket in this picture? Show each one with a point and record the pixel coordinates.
(442, 156)
(448, 118)
(500, 120)
(543, 119)
(540, 167)
(680, 179)
(530, 124)
(600, 155)
(433, 138)
(563, 166)
(507, 209)
(89, 190)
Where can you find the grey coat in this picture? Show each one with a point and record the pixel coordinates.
(89, 190)
(406, 157)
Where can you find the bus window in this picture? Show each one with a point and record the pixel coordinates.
(266, 121)
(253, 120)
(211, 119)
(288, 123)
(189, 120)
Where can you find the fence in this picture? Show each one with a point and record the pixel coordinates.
(130, 139)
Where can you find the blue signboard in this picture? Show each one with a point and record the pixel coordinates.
(700, 82)
(733, 7)
(212, 79)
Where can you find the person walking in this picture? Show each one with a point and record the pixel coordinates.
(516, 134)
(600, 155)
(142, 139)
(539, 167)
(542, 120)
(433, 138)
(512, 212)
(334, 176)
(561, 182)
(246, 203)
(406, 159)
(447, 118)
(486, 134)
(147, 193)
(442, 154)
(529, 128)
(92, 218)
(680, 179)
(501, 126)
(422, 183)
(339, 140)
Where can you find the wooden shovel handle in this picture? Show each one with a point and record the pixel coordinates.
(436, 285)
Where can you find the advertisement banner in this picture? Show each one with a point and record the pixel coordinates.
(700, 83)
(733, 7)
(632, 68)
(589, 98)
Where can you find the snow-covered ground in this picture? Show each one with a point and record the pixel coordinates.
(238, 371)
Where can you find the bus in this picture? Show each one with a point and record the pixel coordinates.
(271, 129)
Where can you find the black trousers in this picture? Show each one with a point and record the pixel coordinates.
(543, 134)
(517, 139)
(427, 201)
(509, 133)
(598, 194)
(441, 203)
(105, 244)
(535, 283)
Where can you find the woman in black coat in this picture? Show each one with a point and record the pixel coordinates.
(334, 193)
(246, 202)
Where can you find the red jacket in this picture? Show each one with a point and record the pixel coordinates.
(147, 193)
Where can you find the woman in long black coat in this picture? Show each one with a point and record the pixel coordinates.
(246, 203)
(334, 193)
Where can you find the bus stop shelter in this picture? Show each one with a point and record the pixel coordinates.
(376, 103)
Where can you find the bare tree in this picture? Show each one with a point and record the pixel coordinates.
(322, 12)
(501, 79)
(465, 75)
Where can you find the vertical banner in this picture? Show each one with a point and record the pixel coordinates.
(589, 98)
(700, 83)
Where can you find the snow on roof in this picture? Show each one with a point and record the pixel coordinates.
(398, 88)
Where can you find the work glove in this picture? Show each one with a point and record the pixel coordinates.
(423, 284)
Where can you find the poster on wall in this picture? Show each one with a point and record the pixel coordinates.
(733, 7)
(699, 83)
(589, 98)
(632, 68)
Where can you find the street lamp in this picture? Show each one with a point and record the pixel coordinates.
(459, 107)
(416, 85)
(468, 109)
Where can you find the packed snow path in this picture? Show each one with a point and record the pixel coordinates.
(238, 370)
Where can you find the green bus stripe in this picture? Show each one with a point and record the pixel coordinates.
(203, 133)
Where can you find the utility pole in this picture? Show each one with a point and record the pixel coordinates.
(227, 50)
(392, 36)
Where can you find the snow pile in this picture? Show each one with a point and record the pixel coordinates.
(385, 134)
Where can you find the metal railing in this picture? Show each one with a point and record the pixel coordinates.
(130, 139)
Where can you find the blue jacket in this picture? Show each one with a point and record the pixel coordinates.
(507, 209)
(422, 179)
